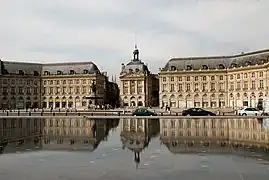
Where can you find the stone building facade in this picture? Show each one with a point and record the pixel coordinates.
(138, 86)
(69, 85)
(20, 85)
(215, 82)
(57, 85)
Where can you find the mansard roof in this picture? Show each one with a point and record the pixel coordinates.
(218, 62)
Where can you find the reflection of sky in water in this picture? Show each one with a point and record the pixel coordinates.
(265, 123)
(113, 139)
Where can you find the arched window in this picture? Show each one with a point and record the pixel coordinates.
(247, 63)
(189, 67)
(36, 73)
(59, 72)
(85, 71)
(21, 72)
(71, 72)
(233, 65)
(204, 67)
(173, 68)
(221, 66)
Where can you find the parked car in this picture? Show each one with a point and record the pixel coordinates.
(248, 111)
(197, 112)
(143, 112)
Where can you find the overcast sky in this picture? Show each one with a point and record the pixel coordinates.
(103, 31)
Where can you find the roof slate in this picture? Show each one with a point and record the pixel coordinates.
(213, 62)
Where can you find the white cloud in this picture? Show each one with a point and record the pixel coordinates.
(103, 30)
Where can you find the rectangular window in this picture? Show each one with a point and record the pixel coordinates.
(28, 90)
(221, 86)
(84, 89)
(238, 87)
(245, 86)
(213, 87)
(125, 90)
(164, 87)
(77, 90)
(196, 87)
(253, 85)
(179, 87)
(204, 87)
(261, 84)
(13, 92)
(51, 90)
(64, 90)
(172, 87)
(188, 87)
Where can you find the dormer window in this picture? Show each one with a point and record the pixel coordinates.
(204, 67)
(136, 70)
(21, 72)
(233, 65)
(189, 67)
(221, 66)
(262, 61)
(173, 68)
(71, 72)
(248, 63)
(36, 73)
(46, 73)
(85, 71)
(130, 70)
(59, 72)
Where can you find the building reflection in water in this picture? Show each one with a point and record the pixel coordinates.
(213, 135)
(53, 134)
(76, 134)
(17, 134)
(137, 133)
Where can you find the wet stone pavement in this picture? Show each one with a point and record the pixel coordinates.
(80, 149)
